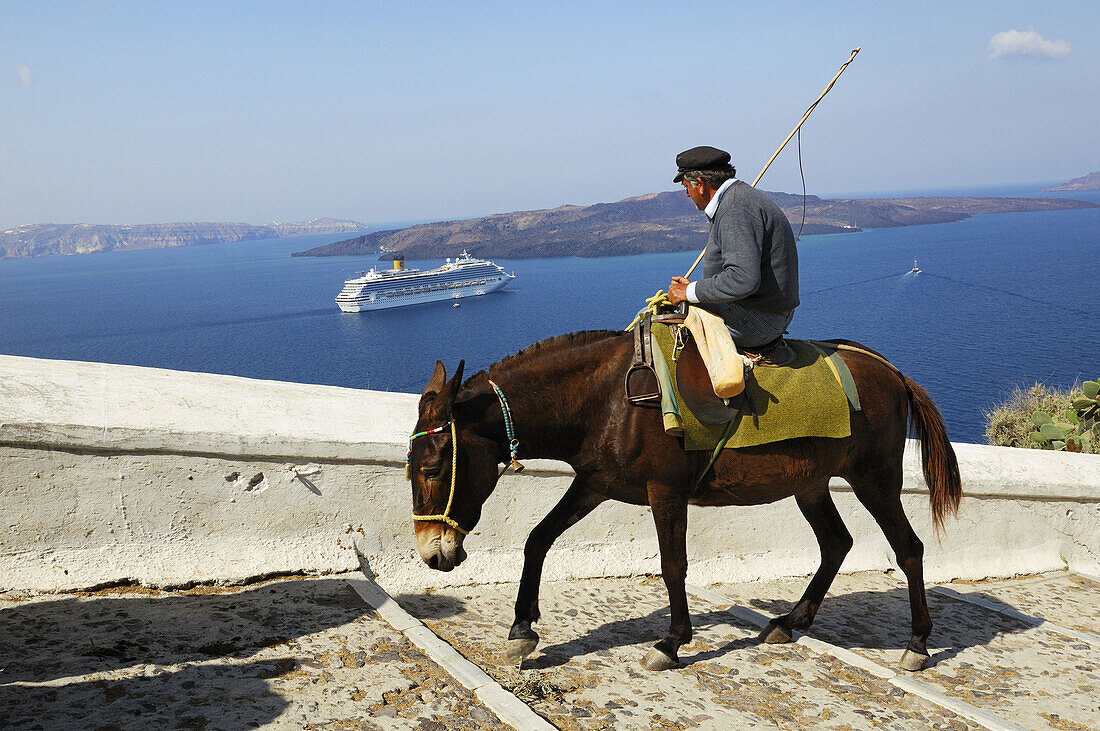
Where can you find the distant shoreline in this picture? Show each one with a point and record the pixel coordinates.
(52, 239)
(657, 223)
(653, 223)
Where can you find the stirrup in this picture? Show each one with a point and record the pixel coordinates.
(641, 399)
(643, 364)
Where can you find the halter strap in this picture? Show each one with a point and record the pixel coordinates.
(445, 517)
(513, 450)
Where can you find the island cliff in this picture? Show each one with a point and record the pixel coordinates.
(1087, 182)
(658, 222)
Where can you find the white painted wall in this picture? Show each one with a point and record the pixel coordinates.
(114, 473)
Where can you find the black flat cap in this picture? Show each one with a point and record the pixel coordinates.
(700, 158)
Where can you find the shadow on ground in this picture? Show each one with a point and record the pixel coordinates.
(881, 620)
(166, 659)
(875, 620)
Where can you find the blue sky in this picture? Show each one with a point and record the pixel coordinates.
(135, 112)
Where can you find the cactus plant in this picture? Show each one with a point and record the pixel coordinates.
(1078, 430)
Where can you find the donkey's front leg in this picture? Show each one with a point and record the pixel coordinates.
(670, 516)
(577, 502)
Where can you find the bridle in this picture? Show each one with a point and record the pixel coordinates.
(513, 450)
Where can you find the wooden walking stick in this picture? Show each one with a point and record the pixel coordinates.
(661, 298)
(794, 131)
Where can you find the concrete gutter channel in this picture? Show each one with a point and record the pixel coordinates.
(149, 479)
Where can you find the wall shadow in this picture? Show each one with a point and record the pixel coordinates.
(155, 655)
(194, 697)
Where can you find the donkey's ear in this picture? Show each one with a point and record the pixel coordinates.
(475, 394)
(435, 385)
(455, 383)
(437, 381)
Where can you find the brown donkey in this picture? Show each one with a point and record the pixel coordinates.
(563, 399)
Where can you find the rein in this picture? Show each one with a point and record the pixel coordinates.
(513, 450)
(513, 443)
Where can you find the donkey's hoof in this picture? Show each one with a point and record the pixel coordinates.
(519, 649)
(659, 660)
(774, 634)
(913, 661)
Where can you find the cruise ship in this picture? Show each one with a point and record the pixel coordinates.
(397, 287)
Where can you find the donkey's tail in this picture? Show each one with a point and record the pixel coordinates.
(938, 462)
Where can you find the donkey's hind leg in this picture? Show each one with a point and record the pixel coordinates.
(880, 493)
(835, 541)
(669, 507)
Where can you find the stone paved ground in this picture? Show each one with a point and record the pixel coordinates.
(292, 653)
(310, 654)
(595, 632)
(1050, 595)
(1021, 673)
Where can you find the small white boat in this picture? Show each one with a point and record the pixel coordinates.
(915, 269)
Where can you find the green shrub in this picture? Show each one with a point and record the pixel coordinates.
(1047, 418)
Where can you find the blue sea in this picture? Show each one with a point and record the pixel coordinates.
(1004, 300)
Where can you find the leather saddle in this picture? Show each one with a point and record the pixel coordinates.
(692, 378)
(697, 391)
(694, 385)
(774, 354)
(643, 388)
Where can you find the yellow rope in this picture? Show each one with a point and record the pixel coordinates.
(652, 304)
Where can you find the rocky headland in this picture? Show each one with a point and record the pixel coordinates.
(658, 222)
(1086, 182)
(51, 239)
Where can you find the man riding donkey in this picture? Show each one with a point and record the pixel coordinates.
(467, 427)
(750, 267)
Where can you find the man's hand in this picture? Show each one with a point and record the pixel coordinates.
(677, 290)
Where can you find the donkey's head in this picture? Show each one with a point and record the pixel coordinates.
(452, 467)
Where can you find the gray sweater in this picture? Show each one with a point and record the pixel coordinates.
(751, 257)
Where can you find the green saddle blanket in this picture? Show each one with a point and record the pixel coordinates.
(805, 398)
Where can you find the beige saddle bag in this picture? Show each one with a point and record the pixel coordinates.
(724, 364)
